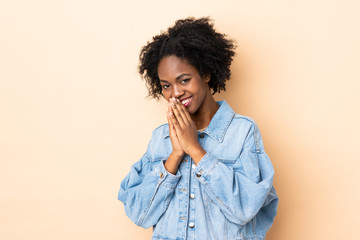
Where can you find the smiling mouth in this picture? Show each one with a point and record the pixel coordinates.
(186, 101)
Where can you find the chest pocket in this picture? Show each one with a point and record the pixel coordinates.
(247, 164)
(228, 162)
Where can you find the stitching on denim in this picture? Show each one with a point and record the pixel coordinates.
(211, 168)
(226, 230)
(250, 238)
(157, 159)
(163, 238)
(188, 165)
(148, 160)
(167, 203)
(253, 226)
(227, 126)
(141, 220)
(221, 202)
(168, 186)
(244, 117)
(207, 211)
(256, 138)
(227, 161)
(213, 137)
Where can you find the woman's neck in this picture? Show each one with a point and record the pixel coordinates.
(205, 113)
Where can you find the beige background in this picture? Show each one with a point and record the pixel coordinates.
(74, 117)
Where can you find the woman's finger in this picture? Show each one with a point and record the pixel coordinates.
(168, 116)
(174, 122)
(177, 113)
(184, 112)
(171, 127)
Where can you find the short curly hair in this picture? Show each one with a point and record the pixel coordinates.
(194, 40)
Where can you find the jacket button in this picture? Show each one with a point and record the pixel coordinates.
(198, 174)
(192, 196)
(201, 135)
(161, 175)
(191, 225)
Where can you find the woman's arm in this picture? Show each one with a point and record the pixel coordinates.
(146, 191)
(242, 190)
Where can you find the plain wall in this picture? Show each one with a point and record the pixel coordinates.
(74, 115)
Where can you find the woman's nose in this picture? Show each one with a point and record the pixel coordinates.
(177, 91)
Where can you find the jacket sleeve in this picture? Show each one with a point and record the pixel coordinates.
(242, 190)
(147, 190)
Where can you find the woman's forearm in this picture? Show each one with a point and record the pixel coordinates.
(172, 163)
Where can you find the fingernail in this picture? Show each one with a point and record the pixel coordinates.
(178, 100)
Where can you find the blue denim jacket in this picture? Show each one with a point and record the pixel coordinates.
(227, 195)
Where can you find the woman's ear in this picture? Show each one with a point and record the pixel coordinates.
(207, 78)
(162, 94)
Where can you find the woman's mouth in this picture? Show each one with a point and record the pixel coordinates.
(186, 101)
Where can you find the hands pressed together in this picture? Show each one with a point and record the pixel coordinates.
(183, 135)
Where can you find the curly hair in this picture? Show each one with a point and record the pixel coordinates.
(194, 40)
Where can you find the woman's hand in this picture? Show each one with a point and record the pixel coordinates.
(177, 149)
(185, 130)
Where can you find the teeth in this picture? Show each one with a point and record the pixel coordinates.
(186, 101)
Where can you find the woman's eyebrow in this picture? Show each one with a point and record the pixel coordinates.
(182, 75)
(177, 78)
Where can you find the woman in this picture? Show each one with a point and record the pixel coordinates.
(205, 174)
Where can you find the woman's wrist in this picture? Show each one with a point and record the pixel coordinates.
(197, 154)
(177, 155)
(173, 161)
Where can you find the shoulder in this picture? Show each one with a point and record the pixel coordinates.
(159, 145)
(228, 115)
(239, 117)
(161, 131)
(247, 126)
(159, 135)
(251, 128)
(244, 121)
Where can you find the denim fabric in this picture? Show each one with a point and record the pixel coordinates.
(227, 195)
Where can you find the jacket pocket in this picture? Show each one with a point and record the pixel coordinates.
(227, 162)
(218, 225)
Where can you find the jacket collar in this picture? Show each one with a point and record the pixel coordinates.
(218, 124)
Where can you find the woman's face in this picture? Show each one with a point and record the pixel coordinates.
(181, 80)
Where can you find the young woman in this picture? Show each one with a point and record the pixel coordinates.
(205, 174)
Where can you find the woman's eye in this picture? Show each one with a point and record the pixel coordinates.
(185, 80)
(165, 86)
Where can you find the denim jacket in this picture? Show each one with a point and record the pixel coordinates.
(227, 195)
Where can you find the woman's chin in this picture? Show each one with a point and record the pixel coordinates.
(192, 110)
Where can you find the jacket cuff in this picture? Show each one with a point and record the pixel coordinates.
(205, 166)
(166, 178)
